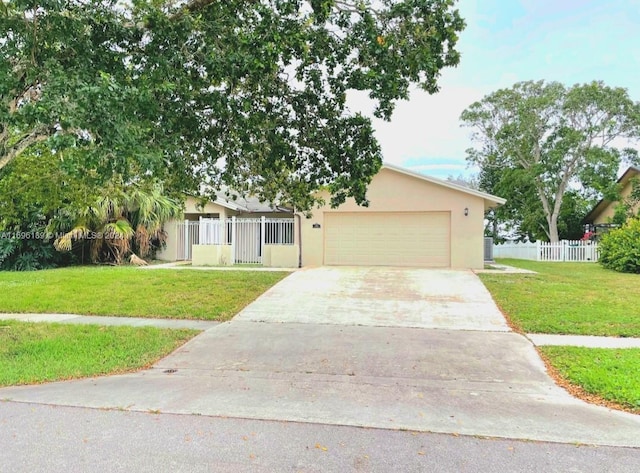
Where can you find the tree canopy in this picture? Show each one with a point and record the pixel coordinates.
(541, 141)
(247, 93)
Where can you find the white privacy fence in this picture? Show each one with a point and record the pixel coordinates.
(565, 250)
(246, 236)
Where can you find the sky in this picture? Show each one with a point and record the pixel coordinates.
(508, 41)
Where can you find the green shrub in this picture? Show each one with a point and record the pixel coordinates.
(620, 248)
(28, 247)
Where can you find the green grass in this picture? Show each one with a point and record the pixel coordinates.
(611, 374)
(568, 298)
(39, 352)
(127, 291)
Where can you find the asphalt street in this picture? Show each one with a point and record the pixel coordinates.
(51, 439)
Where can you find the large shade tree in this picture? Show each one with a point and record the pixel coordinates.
(249, 93)
(537, 141)
(522, 217)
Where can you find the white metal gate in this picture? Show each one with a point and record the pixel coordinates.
(188, 235)
(246, 240)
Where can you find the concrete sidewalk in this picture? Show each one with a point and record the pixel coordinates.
(114, 321)
(537, 339)
(183, 265)
(504, 269)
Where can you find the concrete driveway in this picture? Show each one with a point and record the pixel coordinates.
(347, 346)
(379, 296)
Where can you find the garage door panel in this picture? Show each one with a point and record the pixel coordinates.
(387, 239)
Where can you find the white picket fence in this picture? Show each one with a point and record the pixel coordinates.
(565, 250)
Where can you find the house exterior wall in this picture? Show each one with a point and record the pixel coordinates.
(211, 255)
(170, 251)
(609, 210)
(280, 256)
(392, 191)
(191, 207)
(275, 256)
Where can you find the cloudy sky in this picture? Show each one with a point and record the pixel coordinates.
(507, 41)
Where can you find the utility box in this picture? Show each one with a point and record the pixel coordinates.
(488, 250)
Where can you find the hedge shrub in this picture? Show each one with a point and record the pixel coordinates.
(620, 248)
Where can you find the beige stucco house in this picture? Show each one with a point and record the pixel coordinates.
(604, 210)
(411, 220)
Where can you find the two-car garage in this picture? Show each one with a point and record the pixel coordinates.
(411, 220)
(387, 239)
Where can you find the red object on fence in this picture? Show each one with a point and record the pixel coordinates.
(588, 236)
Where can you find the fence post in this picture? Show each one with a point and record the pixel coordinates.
(564, 250)
(187, 240)
(233, 240)
(538, 250)
(263, 226)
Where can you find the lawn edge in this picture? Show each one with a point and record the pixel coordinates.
(578, 391)
(125, 316)
(571, 388)
(510, 323)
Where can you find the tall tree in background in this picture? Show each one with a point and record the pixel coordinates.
(251, 94)
(537, 141)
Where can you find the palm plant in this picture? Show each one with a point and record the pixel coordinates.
(123, 220)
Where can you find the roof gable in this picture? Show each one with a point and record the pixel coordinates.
(246, 204)
(490, 200)
(225, 196)
(631, 172)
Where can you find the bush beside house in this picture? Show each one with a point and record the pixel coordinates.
(620, 248)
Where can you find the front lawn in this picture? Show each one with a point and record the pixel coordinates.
(611, 374)
(39, 352)
(568, 298)
(128, 291)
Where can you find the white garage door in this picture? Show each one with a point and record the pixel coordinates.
(387, 239)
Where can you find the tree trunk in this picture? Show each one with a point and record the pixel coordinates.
(553, 228)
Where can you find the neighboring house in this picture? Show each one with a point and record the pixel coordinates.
(603, 212)
(411, 220)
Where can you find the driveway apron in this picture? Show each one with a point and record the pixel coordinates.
(413, 349)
